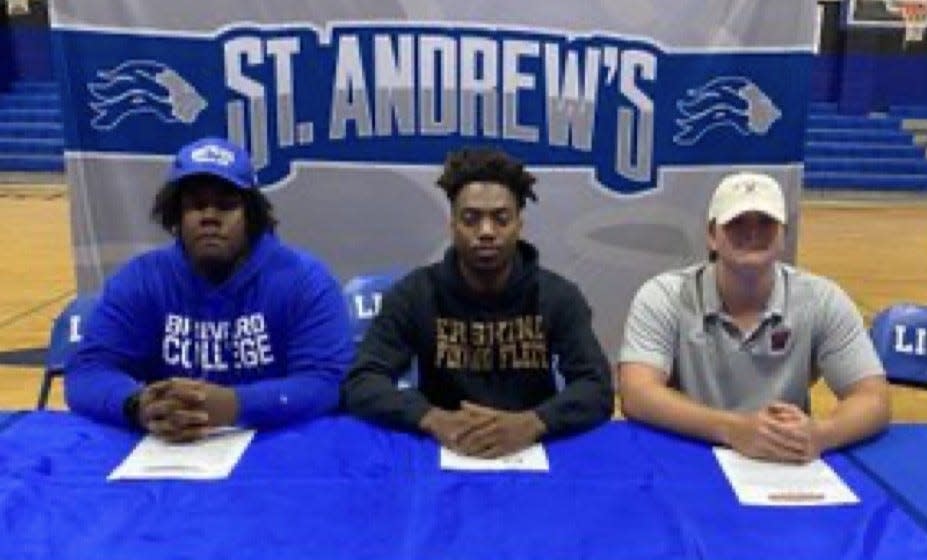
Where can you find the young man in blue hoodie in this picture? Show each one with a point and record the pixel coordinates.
(225, 326)
(489, 328)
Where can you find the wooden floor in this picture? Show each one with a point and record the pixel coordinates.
(36, 279)
(876, 249)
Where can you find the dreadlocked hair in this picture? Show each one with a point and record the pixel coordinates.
(469, 165)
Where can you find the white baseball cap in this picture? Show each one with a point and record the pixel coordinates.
(746, 192)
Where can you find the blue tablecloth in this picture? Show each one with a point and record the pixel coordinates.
(7, 417)
(898, 460)
(341, 489)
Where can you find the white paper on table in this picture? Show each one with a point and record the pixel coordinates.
(532, 458)
(763, 483)
(212, 457)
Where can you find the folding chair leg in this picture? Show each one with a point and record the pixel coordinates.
(44, 390)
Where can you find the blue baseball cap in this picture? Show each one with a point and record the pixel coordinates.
(217, 157)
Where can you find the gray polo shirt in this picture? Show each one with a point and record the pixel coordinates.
(810, 328)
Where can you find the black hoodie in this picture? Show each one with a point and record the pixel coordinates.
(494, 351)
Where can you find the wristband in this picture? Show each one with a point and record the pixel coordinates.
(130, 408)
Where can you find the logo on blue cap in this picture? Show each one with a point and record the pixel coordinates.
(217, 157)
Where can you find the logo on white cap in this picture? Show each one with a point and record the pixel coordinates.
(213, 154)
(747, 192)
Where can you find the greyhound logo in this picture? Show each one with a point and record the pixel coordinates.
(732, 102)
(143, 87)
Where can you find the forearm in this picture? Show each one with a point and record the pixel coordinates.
(370, 390)
(582, 404)
(276, 402)
(375, 397)
(111, 361)
(99, 391)
(667, 408)
(860, 414)
(588, 397)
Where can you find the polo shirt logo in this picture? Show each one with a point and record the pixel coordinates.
(779, 339)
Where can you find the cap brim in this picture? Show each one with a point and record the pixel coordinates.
(227, 177)
(776, 214)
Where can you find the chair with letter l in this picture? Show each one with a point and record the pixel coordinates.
(899, 334)
(364, 296)
(65, 335)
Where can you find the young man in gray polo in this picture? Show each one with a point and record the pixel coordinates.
(726, 350)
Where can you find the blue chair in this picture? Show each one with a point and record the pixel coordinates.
(364, 297)
(65, 335)
(899, 334)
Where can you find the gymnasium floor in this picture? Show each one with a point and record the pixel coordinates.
(874, 246)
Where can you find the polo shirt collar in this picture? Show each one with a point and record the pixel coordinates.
(711, 299)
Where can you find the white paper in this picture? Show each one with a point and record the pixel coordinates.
(763, 483)
(532, 458)
(212, 457)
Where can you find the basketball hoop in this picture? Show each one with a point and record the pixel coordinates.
(17, 7)
(914, 14)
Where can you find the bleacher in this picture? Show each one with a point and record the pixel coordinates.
(880, 150)
(31, 132)
(877, 151)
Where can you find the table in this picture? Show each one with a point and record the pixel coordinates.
(7, 417)
(896, 459)
(338, 488)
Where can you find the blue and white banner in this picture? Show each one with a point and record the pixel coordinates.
(406, 94)
(628, 111)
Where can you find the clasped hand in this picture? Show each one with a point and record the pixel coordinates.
(483, 432)
(778, 432)
(181, 409)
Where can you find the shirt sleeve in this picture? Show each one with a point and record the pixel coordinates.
(108, 365)
(319, 350)
(587, 398)
(844, 353)
(651, 327)
(370, 389)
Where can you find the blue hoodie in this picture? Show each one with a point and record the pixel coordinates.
(277, 331)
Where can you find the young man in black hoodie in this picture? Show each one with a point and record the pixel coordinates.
(493, 333)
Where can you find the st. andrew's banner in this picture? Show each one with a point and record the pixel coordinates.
(628, 112)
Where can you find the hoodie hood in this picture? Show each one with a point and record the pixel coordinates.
(524, 272)
(261, 249)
